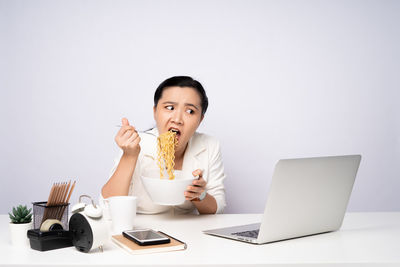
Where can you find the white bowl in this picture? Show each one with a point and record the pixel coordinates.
(164, 191)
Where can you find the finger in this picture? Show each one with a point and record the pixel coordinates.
(128, 134)
(122, 139)
(199, 182)
(194, 189)
(136, 141)
(197, 172)
(125, 122)
(189, 195)
(123, 130)
(133, 140)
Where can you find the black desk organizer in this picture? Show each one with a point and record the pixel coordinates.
(54, 238)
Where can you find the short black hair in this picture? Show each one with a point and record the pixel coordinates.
(183, 81)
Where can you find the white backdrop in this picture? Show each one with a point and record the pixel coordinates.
(285, 79)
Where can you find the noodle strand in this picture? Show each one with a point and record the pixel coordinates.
(166, 144)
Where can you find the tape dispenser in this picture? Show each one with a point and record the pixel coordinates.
(51, 233)
(88, 227)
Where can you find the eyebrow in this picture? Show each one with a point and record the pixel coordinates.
(186, 104)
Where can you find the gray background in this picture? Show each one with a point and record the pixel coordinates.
(285, 79)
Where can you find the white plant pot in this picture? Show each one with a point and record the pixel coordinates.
(18, 234)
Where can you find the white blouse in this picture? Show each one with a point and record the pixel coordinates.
(203, 152)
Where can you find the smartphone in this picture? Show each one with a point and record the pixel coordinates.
(146, 237)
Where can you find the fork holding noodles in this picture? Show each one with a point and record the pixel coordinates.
(180, 104)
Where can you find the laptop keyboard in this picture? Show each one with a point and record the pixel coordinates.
(253, 233)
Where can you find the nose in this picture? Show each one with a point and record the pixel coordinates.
(177, 117)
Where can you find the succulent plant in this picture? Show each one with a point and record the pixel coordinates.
(21, 214)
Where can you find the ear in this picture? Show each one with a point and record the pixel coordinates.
(154, 112)
(201, 119)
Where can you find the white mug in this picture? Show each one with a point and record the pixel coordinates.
(122, 212)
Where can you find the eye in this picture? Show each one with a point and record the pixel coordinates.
(190, 111)
(169, 107)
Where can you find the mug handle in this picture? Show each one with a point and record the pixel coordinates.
(105, 204)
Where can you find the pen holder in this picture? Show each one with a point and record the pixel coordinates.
(42, 212)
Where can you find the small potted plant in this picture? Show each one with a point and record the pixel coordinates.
(21, 222)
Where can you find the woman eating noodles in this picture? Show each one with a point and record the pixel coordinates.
(180, 104)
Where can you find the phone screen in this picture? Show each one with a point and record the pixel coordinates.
(145, 235)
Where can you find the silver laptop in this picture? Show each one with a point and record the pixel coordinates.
(307, 196)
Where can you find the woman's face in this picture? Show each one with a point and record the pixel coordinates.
(179, 108)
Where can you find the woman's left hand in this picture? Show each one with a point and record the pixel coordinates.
(198, 186)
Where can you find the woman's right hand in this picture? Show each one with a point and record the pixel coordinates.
(128, 139)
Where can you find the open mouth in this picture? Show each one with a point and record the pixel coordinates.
(174, 130)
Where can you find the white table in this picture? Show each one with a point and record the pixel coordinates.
(365, 239)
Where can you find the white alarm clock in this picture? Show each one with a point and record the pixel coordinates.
(88, 227)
